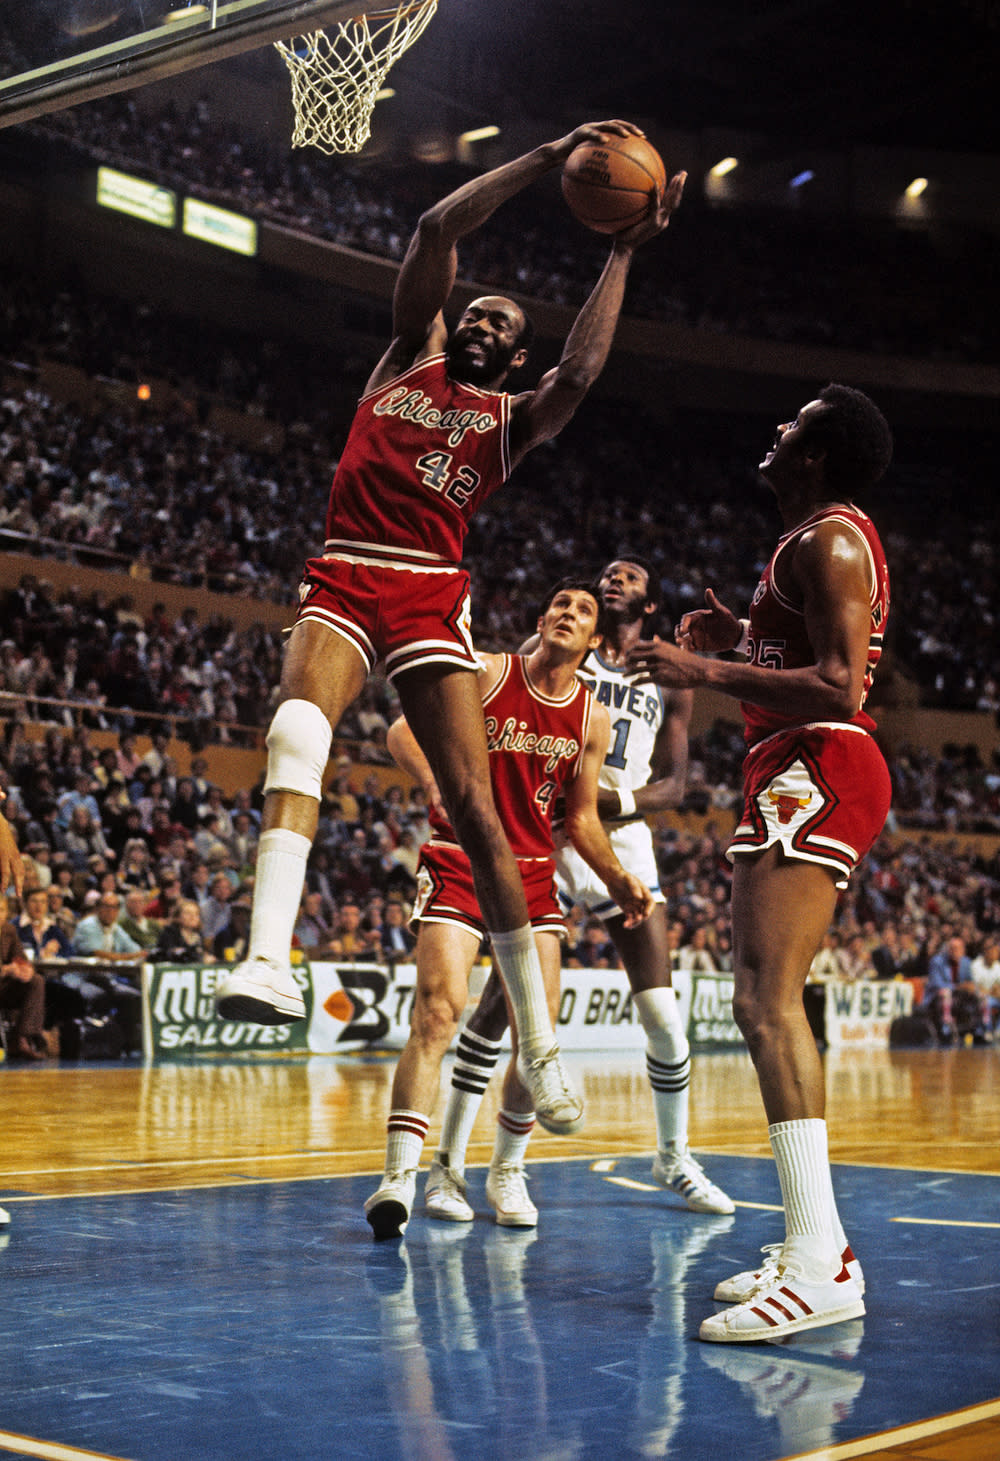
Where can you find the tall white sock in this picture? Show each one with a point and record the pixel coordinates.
(521, 972)
(278, 881)
(801, 1152)
(475, 1061)
(668, 1064)
(406, 1132)
(513, 1134)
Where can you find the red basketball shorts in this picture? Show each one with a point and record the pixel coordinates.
(445, 891)
(404, 616)
(821, 791)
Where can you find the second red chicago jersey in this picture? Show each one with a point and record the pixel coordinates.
(423, 453)
(536, 746)
(778, 638)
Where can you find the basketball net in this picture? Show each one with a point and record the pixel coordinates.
(336, 76)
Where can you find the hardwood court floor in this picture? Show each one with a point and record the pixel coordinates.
(258, 1153)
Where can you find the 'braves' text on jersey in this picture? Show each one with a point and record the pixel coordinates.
(536, 746)
(423, 453)
(636, 713)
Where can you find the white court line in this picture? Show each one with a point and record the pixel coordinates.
(882, 1441)
(50, 1450)
(943, 1222)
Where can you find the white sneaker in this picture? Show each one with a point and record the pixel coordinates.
(788, 1304)
(261, 993)
(741, 1286)
(683, 1175)
(507, 1192)
(444, 1194)
(557, 1106)
(388, 1209)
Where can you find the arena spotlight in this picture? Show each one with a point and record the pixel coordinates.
(801, 178)
(723, 167)
(916, 188)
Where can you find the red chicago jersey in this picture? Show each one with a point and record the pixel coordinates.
(778, 638)
(424, 451)
(536, 747)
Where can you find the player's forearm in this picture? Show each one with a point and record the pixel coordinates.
(589, 341)
(585, 832)
(807, 691)
(472, 204)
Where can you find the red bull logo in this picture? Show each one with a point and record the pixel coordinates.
(786, 806)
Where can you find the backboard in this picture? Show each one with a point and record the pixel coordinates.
(55, 53)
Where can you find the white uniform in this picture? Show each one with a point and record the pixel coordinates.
(637, 713)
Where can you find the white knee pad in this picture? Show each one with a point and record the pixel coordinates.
(298, 748)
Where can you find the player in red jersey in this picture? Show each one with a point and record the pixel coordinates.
(547, 738)
(816, 793)
(434, 435)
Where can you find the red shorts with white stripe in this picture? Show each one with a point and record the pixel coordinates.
(822, 791)
(406, 616)
(446, 894)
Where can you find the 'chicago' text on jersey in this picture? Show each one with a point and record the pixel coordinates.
(413, 405)
(514, 736)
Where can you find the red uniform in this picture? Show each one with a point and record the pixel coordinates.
(821, 789)
(536, 747)
(424, 451)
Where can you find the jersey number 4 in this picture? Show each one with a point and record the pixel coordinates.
(435, 468)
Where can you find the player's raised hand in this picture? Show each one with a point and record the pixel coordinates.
(709, 630)
(661, 207)
(593, 132)
(655, 662)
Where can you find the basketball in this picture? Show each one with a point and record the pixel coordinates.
(607, 184)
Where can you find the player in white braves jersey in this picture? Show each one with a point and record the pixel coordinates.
(433, 435)
(649, 732)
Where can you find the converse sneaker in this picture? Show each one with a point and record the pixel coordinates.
(507, 1193)
(261, 993)
(741, 1286)
(682, 1174)
(388, 1209)
(788, 1304)
(557, 1106)
(444, 1194)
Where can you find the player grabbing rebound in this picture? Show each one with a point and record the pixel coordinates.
(547, 738)
(815, 795)
(434, 435)
(649, 739)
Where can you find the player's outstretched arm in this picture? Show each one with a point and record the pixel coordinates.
(540, 414)
(430, 266)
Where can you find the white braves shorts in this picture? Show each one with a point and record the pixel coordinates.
(578, 883)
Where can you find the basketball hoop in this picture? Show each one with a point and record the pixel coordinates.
(336, 76)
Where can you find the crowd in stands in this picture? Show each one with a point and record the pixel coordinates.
(810, 278)
(136, 860)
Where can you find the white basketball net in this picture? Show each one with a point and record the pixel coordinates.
(336, 76)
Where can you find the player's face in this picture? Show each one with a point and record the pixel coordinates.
(786, 453)
(624, 588)
(570, 622)
(483, 347)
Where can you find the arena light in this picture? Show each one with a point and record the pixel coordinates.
(801, 178)
(916, 188)
(385, 94)
(479, 134)
(723, 167)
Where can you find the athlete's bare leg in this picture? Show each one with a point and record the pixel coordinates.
(644, 950)
(780, 909)
(445, 955)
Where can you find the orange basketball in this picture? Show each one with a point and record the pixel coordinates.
(608, 184)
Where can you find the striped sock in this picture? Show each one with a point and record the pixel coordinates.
(475, 1061)
(406, 1134)
(513, 1134)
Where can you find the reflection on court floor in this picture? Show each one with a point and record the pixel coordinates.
(257, 1319)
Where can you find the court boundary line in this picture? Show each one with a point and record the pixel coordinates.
(918, 1430)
